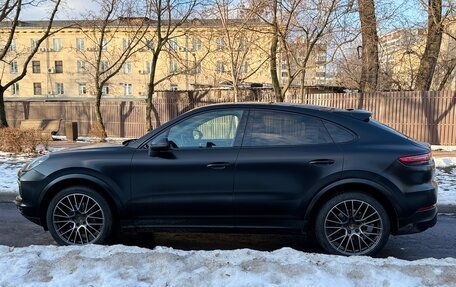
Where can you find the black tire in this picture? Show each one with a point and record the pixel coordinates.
(79, 215)
(352, 223)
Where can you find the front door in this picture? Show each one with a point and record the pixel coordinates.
(191, 184)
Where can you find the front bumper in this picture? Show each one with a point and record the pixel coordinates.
(27, 211)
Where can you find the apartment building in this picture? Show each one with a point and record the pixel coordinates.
(201, 53)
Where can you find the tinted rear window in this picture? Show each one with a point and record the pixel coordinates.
(274, 128)
(338, 133)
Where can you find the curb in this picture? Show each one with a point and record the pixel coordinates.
(8, 197)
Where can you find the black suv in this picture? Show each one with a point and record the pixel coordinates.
(337, 173)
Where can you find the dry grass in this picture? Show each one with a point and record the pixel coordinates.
(17, 140)
(97, 132)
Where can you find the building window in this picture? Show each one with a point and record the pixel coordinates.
(244, 67)
(33, 43)
(197, 67)
(148, 67)
(13, 67)
(220, 43)
(58, 67)
(173, 66)
(12, 47)
(105, 90)
(36, 67)
(128, 91)
(219, 67)
(79, 44)
(174, 87)
(127, 67)
(103, 66)
(104, 45)
(57, 44)
(82, 89)
(59, 89)
(149, 44)
(173, 44)
(37, 89)
(242, 44)
(15, 89)
(196, 44)
(125, 43)
(81, 65)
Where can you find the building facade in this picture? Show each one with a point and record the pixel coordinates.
(199, 54)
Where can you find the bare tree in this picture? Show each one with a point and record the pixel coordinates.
(433, 41)
(370, 64)
(241, 33)
(169, 16)
(446, 65)
(10, 12)
(107, 55)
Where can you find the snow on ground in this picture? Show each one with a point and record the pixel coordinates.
(445, 175)
(443, 147)
(119, 265)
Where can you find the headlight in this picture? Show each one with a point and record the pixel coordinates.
(37, 161)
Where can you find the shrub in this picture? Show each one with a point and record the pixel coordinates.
(17, 140)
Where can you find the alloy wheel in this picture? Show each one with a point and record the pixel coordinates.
(353, 227)
(78, 219)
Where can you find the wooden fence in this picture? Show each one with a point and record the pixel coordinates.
(425, 116)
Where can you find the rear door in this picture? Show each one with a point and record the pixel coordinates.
(284, 160)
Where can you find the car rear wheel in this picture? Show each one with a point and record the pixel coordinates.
(79, 215)
(352, 223)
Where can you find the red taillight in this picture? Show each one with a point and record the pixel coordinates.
(416, 159)
(427, 207)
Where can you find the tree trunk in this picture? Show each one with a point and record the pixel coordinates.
(273, 59)
(101, 130)
(447, 75)
(151, 91)
(3, 121)
(370, 66)
(431, 51)
(302, 90)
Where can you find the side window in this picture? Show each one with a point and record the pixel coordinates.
(339, 134)
(272, 128)
(207, 130)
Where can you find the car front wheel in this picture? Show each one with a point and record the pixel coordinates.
(352, 223)
(79, 215)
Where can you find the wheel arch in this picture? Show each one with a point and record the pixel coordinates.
(367, 187)
(77, 180)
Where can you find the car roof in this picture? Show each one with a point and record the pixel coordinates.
(284, 106)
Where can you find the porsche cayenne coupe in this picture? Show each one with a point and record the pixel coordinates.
(335, 173)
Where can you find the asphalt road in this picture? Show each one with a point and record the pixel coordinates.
(437, 242)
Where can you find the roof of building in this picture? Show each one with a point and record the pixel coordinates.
(126, 21)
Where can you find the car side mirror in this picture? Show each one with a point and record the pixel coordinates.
(161, 145)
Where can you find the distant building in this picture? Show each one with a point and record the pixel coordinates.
(196, 56)
(400, 52)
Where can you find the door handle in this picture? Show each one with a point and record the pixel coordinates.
(321, 162)
(218, 165)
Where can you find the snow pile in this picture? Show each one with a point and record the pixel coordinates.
(119, 265)
(9, 166)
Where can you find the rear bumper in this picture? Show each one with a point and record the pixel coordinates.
(418, 222)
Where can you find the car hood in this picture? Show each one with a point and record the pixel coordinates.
(97, 147)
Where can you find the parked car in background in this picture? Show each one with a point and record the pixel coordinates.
(280, 167)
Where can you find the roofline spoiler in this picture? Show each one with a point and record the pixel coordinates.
(361, 115)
